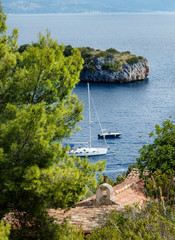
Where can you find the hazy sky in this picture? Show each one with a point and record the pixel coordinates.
(75, 6)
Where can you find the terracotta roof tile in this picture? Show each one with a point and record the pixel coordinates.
(86, 218)
(88, 215)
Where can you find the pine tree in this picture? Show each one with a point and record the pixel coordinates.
(37, 111)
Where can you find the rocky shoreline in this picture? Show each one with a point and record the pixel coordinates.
(128, 73)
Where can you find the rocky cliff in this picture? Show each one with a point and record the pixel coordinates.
(109, 66)
(128, 72)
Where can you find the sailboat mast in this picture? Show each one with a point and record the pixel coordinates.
(89, 115)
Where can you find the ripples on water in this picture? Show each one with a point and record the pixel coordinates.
(133, 108)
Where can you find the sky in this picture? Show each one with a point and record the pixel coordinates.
(82, 6)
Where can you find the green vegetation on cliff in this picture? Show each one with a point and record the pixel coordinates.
(113, 59)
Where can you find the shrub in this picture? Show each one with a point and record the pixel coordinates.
(89, 49)
(90, 67)
(22, 48)
(140, 57)
(68, 51)
(45, 228)
(86, 55)
(106, 54)
(86, 52)
(112, 67)
(132, 60)
(101, 54)
(109, 55)
(149, 223)
(112, 50)
(126, 53)
(161, 186)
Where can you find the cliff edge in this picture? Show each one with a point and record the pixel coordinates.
(112, 66)
(129, 72)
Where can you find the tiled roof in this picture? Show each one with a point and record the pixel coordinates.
(85, 218)
(89, 213)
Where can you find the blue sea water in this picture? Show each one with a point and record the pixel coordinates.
(133, 108)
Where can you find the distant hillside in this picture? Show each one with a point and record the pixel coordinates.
(80, 6)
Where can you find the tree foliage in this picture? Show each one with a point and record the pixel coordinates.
(161, 153)
(159, 159)
(150, 223)
(4, 231)
(37, 111)
(161, 186)
(46, 228)
(112, 50)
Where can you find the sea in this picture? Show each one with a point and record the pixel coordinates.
(132, 108)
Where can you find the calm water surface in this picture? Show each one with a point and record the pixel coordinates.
(133, 108)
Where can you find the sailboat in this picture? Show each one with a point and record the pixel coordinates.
(88, 150)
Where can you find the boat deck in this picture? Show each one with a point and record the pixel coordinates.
(109, 135)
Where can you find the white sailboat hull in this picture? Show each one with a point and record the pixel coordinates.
(86, 151)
